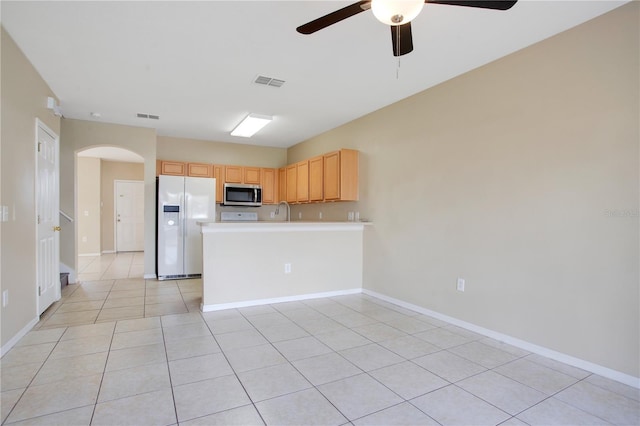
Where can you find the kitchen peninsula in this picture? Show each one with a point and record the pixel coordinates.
(255, 263)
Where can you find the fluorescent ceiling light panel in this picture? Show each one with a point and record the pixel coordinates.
(250, 125)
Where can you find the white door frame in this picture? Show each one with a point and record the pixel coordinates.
(115, 209)
(40, 126)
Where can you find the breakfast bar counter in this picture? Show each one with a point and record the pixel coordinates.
(253, 263)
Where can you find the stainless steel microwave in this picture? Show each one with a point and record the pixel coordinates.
(238, 194)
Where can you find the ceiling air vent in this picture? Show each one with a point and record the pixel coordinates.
(268, 81)
(149, 116)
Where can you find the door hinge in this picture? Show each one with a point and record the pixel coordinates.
(38, 219)
(39, 291)
(39, 145)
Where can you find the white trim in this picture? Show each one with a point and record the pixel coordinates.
(244, 304)
(88, 254)
(609, 373)
(149, 276)
(19, 335)
(108, 251)
(73, 278)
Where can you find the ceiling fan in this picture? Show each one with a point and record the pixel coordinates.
(398, 15)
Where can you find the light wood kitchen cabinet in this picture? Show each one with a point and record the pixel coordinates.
(341, 175)
(282, 184)
(251, 175)
(233, 174)
(302, 181)
(291, 183)
(174, 168)
(218, 173)
(316, 182)
(269, 179)
(199, 170)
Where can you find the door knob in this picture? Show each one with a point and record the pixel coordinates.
(57, 228)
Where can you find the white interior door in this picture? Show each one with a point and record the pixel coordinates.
(47, 217)
(129, 205)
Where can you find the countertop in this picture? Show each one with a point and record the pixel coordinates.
(272, 225)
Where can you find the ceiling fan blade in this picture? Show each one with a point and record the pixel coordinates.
(483, 4)
(401, 39)
(334, 17)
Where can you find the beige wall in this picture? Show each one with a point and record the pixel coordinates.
(24, 98)
(77, 135)
(199, 151)
(88, 216)
(110, 172)
(247, 265)
(522, 178)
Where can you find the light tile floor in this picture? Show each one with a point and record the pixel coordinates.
(126, 351)
(111, 266)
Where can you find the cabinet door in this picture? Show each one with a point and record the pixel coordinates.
(199, 170)
(218, 173)
(174, 168)
(316, 183)
(348, 175)
(302, 181)
(332, 176)
(282, 184)
(233, 174)
(269, 188)
(291, 183)
(251, 175)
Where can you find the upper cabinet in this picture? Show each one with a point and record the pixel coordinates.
(341, 175)
(174, 168)
(282, 184)
(233, 174)
(269, 181)
(251, 175)
(316, 184)
(291, 192)
(199, 170)
(302, 181)
(218, 173)
(329, 177)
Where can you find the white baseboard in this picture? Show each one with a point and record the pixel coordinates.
(108, 251)
(88, 254)
(244, 304)
(149, 276)
(11, 343)
(609, 373)
(73, 277)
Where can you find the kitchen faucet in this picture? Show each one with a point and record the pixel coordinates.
(288, 210)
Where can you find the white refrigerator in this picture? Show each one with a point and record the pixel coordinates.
(182, 202)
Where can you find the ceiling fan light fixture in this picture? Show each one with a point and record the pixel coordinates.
(396, 12)
(251, 125)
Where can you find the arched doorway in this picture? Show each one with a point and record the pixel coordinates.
(109, 211)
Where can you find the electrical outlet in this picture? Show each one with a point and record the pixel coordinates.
(5, 298)
(272, 215)
(350, 216)
(299, 215)
(320, 215)
(84, 239)
(287, 268)
(357, 217)
(86, 212)
(460, 284)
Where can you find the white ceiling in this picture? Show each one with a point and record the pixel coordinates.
(193, 63)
